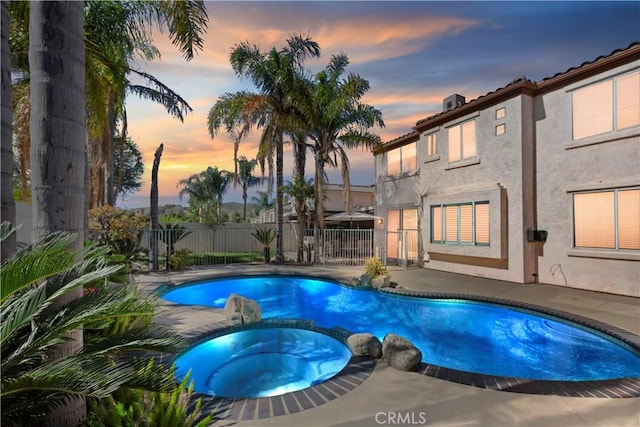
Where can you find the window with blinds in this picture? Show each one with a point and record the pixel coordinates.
(606, 106)
(462, 141)
(607, 219)
(462, 223)
(402, 159)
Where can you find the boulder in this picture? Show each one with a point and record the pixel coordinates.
(400, 353)
(365, 281)
(239, 309)
(365, 344)
(381, 282)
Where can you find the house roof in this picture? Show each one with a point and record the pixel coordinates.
(518, 86)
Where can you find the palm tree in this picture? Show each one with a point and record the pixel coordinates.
(58, 133)
(261, 200)
(7, 205)
(274, 74)
(301, 192)
(206, 189)
(115, 33)
(245, 177)
(337, 120)
(34, 385)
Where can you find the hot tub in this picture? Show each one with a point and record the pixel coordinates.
(263, 361)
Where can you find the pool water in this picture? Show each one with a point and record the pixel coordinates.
(262, 362)
(457, 334)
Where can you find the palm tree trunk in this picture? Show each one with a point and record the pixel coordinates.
(279, 198)
(244, 203)
(318, 220)
(8, 209)
(154, 208)
(58, 132)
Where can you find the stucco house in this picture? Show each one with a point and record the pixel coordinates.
(533, 182)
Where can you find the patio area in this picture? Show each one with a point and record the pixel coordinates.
(390, 397)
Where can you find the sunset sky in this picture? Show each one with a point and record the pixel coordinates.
(414, 54)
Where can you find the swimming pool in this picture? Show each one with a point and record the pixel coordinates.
(262, 361)
(458, 334)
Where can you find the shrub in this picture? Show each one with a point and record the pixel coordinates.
(178, 260)
(374, 268)
(134, 407)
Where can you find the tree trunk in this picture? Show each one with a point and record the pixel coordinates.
(58, 132)
(8, 209)
(121, 166)
(244, 203)
(300, 160)
(318, 219)
(154, 208)
(279, 199)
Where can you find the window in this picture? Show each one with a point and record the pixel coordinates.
(501, 129)
(462, 141)
(402, 159)
(432, 146)
(606, 106)
(607, 219)
(501, 113)
(462, 223)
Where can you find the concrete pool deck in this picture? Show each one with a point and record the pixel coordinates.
(389, 397)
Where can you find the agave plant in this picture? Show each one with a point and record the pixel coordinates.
(32, 384)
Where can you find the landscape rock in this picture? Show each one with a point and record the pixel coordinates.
(365, 281)
(381, 282)
(241, 310)
(400, 353)
(365, 344)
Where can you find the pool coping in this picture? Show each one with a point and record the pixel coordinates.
(628, 387)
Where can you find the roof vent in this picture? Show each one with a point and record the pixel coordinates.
(451, 102)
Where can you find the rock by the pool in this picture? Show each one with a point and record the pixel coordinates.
(365, 344)
(381, 282)
(239, 309)
(365, 281)
(400, 353)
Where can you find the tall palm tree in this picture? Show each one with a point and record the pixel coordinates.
(7, 205)
(336, 119)
(274, 74)
(246, 179)
(116, 33)
(206, 189)
(58, 133)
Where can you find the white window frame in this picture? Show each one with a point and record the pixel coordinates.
(443, 222)
(401, 162)
(613, 111)
(461, 141)
(616, 233)
(432, 144)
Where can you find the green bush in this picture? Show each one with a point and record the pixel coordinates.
(133, 407)
(178, 260)
(374, 268)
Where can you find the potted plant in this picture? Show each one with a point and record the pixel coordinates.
(265, 236)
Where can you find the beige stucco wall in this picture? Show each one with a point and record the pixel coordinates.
(500, 173)
(563, 166)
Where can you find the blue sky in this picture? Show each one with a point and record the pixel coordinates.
(413, 53)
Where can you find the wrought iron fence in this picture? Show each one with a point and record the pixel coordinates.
(196, 244)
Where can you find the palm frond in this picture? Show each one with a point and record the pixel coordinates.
(35, 262)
